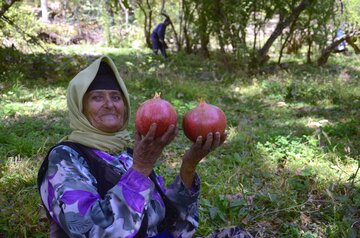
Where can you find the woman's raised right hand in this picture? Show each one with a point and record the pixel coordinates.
(148, 149)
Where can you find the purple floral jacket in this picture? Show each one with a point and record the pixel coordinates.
(69, 193)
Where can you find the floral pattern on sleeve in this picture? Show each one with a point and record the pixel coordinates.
(70, 195)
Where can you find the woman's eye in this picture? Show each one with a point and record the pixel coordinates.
(116, 98)
(97, 98)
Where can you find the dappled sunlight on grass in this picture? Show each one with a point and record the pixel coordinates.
(298, 156)
(93, 50)
(19, 196)
(279, 157)
(19, 168)
(232, 133)
(250, 90)
(21, 101)
(291, 149)
(302, 157)
(32, 108)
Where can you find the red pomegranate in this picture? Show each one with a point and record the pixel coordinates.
(202, 120)
(155, 110)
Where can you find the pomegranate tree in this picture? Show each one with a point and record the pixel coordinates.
(202, 120)
(155, 110)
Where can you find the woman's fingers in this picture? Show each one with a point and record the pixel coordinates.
(198, 143)
(201, 148)
(209, 141)
(151, 133)
(166, 138)
(150, 146)
(137, 137)
(216, 140)
(213, 141)
(223, 138)
(169, 134)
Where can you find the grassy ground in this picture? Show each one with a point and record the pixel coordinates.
(288, 169)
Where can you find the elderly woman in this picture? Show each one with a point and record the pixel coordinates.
(93, 185)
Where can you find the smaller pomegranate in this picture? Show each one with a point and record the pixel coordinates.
(155, 110)
(202, 120)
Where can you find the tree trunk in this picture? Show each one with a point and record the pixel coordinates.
(126, 13)
(255, 26)
(147, 22)
(291, 31)
(188, 18)
(64, 5)
(261, 56)
(44, 11)
(181, 21)
(177, 41)
(188, 45)
(351, 41)
(308, 55)
(220, 25)
(106, 23)
(162, 6)
(204, 36)
(309, 40)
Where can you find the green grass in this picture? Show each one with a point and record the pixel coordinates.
(287, 169)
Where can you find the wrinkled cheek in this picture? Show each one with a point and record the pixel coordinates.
(92, 122)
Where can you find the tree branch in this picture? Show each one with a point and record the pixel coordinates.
(162, 6)
(325, 54)
(33, 39)
(6, 5)
(282, 24)
(177, 41)
(126, 12)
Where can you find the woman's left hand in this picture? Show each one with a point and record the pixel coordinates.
(199, 150)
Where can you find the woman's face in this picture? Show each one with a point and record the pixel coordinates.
(104, 109)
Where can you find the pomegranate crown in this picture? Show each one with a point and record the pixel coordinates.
(157, 95)
(202, 101)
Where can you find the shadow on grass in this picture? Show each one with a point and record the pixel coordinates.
(256, 158)
(27, 136)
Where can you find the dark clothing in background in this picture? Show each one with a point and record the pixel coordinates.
(158, 39)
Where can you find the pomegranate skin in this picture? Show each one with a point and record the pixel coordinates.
(155, 110)
(202, 120)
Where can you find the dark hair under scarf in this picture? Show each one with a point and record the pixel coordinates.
(83, 132)
(104, 79)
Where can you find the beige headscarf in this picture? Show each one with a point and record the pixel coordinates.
(84, 133)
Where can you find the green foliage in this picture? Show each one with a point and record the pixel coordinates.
(20, 211)
(106, 22)
(236, 28)
(19, 27)
(352, 9)
(40, 68)
(289, 167)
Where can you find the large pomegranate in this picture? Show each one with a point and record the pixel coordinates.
(202, 120)
(155, 110)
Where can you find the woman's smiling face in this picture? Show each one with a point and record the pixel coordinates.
(105, 109)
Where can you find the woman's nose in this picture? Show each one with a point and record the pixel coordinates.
(109, 102)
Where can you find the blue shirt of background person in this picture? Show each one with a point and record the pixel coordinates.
(158, 38)
(342, 46)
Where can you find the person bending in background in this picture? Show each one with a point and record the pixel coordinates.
(93, 185)
(158, 38)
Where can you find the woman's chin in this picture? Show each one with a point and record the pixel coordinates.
(111, 128)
